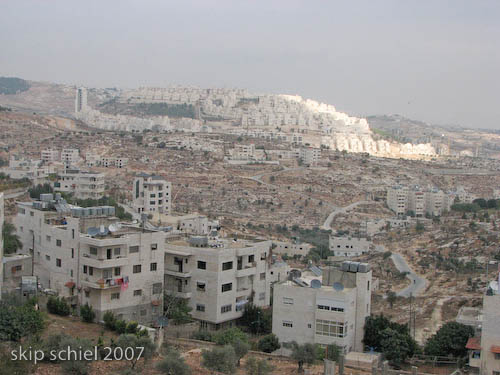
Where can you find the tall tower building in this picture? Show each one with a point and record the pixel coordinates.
(80, 99)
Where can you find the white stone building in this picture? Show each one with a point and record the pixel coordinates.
(310, 155)
(346, 246)
(330, 310)
(76, 255)
(82, 184)
(219, 277)
(291, 248)
(402, 200)
(49, 155)
(151, 194)
(70, 156)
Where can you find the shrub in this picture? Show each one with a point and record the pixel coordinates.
(269, 343)
(120, 326)
(58, 306)
(228, 336)
(258, 366)
(220, 358)
(240, 349)
(203, 335)
(131, 327)
(87, 313)
(109, 320)
(173, 364)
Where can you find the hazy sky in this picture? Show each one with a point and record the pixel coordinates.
(433, 60)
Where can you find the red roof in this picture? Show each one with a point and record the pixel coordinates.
(474, 343)
(495, 349)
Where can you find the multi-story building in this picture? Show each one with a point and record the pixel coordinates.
(82, 184)
(220, 276)
(109, 161)
(34, 170)
(397, 199)
(436, 202)
(310, 155)
(291, 248)
(346, 246)
(151, 194)
(327, 308)
(49, 155)
(1, 241)
(417, 202)
(484, 351)
(403, 200)
(191, 224)
(85, 255)
(70, 156)
(81, 100)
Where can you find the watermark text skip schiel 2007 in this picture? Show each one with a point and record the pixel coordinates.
(80, 354)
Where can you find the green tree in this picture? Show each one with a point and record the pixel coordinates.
(220, 358)
(303, 354)
(173, 364)
(269, 343)
(374, 327)
(176, 309)
(256, 366)
(256, 319)
(87, 313)
(333, 352)
(450, 339)
(395, 346)
(230, 335)
(18, 319)
(11, 241)
(420, 227)
(241, 348)
(134, 341)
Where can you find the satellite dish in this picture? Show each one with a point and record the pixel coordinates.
(315, 284)
(93, 231)
(338, 286)
(114, 227)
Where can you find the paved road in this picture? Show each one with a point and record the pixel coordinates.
(418, 284)
(339, 210)
(14, 195)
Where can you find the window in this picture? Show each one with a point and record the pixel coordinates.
(32, 213)
(137, 292)
(133, 249)
(117, 251)
(18, 268)
(117, 271)
(262, 275)
(330, 328)
(22, 211)
(287, 324)
(93, 250)
(73, 233)
(226, 308)
(84, 269)
(200, 286)
(47, 238)
(72, 253)
(262, 296)
(227, 287)
(202, 265)
(58, 243)
(115, 296)
(71, 273)
(368, 285)
(200, 307)
(227, 266)
(251, 258)
(47, 257)
(154, 246)
(309, 325)
(91, 271)
(152, 267)
(287, 301)
(58, 262)
(137, 268)
(263, 256)
(497, 355)
(157, 288)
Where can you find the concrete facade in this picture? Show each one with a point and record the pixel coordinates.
(490, 335)
(81, 184)
(323, 315)
(346, 246)
(151, 194)
(291, 248)
(49, 155)
(70, 156)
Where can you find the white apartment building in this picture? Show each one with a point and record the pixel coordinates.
(1, 241)
(20, 168)
(346, 246)
(82, 184)
(70, 156)
(327, 309)
(291, 248)
(310, 155)
(402, 199)
(81, 100)
(219, 277)
(151, 194)
(191, 224)
(49, 155)
(84, 255)
(484, 352)
(109, 161)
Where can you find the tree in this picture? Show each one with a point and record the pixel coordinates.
(173, 364)
(391, 298)
(109, 320)
(333, 352)
(481, 202)
(220, 358)
(305, 353)
(58, 306)
(230, 335)
(256, 319)
(420, 227)
(87, 313)
(374, 327)
(269, 343)
(450, 339)
(256, 366)
(35, 191)
(11, 241)
(18, 319)
(395, 346)
(240, 349)
(134, 341)
(176, 309)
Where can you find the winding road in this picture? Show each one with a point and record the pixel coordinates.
(418, 283)
(339, 210)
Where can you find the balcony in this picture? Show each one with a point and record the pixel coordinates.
(104, 262)
(243, 291)
(95, 283)
(177, 273)
(248, 270)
